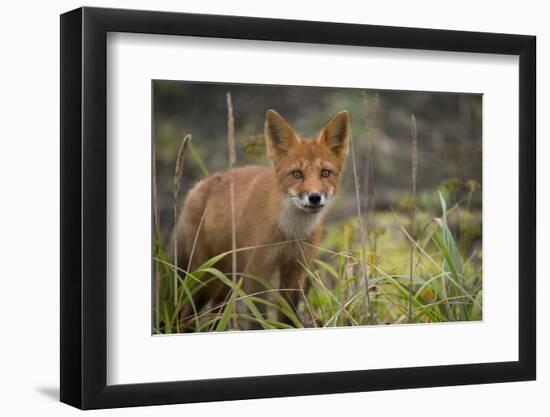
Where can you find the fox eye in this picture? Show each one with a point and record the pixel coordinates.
(297, 174)
(325, 173)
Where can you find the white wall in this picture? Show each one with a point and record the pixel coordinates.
(29, 167)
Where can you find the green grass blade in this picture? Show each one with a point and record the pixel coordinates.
(249, 304)
(328, 268)
(228, 311)
(167, 321)
(476, 308)
(198, 160)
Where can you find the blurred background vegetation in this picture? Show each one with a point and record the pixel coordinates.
(449, 168)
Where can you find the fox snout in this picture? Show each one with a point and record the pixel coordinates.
(311, 202)
(314, 199)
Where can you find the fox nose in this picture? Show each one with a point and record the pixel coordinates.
(314, 198)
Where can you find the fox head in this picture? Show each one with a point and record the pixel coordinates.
(308, 170)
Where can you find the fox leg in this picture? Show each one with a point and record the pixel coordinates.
(292, 284)
(257, 266)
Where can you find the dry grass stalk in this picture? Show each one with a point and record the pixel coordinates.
(192, 253)
(189, 263)
(370, 120)
(157, 241)
(362, 231)
(414, 163)
(308, 307)
(177, 179)
(232, 161)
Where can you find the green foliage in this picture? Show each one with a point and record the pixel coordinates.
(254, 148)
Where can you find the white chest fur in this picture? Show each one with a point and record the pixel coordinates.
(296, 223)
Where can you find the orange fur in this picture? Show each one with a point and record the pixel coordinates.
(272, 205)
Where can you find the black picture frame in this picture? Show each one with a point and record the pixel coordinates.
(84, 207)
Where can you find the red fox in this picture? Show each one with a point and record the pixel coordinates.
(276, 209)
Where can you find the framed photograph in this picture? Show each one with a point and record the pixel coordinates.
(258, 208)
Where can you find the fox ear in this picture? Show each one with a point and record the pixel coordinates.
(336, 134)
(279, 136)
